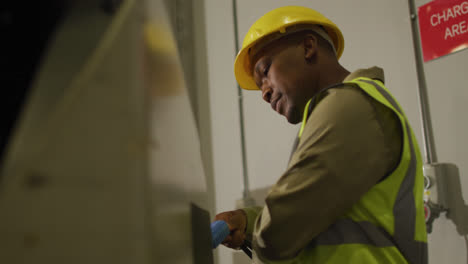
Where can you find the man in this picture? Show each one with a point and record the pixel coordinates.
(352, 192)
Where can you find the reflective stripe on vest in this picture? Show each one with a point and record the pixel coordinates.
(347, 231)
(414, 251)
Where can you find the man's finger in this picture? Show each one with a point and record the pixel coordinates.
(237, 239)
(228, 239)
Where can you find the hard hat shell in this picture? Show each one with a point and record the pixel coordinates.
(278, 20)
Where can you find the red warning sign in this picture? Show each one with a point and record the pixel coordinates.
(443, 25)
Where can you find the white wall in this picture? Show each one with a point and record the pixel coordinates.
(226, 151)
(376, 33)
(448, 96)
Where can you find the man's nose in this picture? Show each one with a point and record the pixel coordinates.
(266, 93)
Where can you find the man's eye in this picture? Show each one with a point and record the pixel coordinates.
(265, 71)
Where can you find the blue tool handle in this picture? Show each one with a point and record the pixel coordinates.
(219, 232)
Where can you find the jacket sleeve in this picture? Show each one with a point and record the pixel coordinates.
(251, 213)
(343, 152)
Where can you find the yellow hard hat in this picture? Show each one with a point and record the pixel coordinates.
(278, 20)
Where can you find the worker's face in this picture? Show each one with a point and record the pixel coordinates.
(286, 79)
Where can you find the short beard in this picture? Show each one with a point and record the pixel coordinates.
(293, 116)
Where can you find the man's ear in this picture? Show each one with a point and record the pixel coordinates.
(310, 43)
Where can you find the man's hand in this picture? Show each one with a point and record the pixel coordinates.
(237, 223)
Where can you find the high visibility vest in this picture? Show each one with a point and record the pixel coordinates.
(387, 224)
